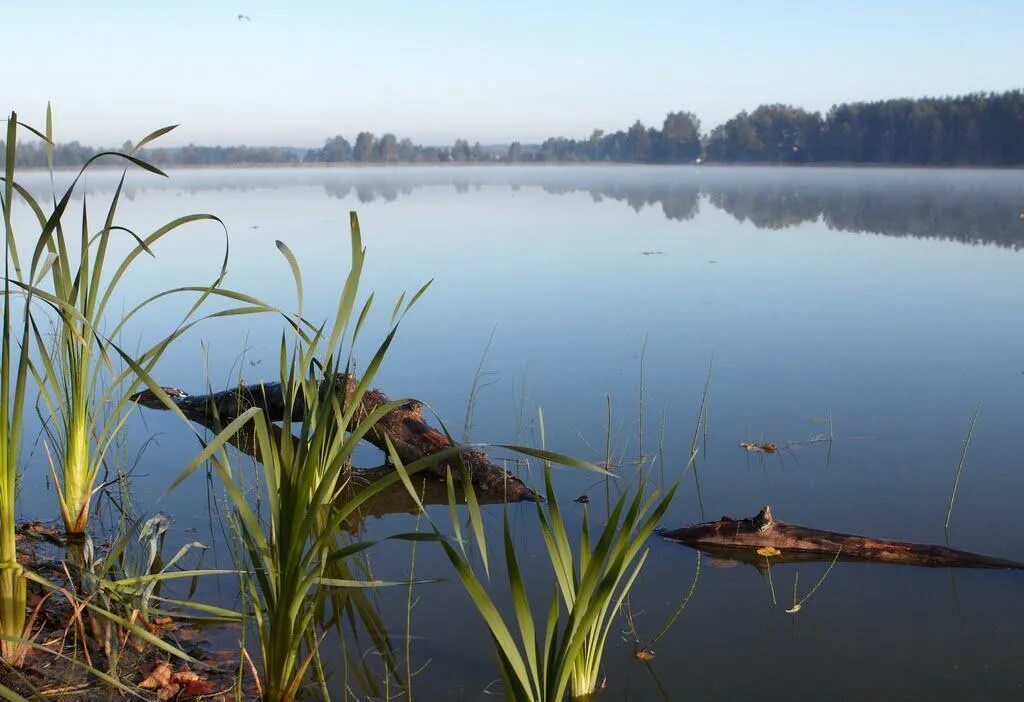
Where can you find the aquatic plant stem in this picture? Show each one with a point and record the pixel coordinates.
(13, 371)
(960, 465)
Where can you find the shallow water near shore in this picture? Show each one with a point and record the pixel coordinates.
(889, 300)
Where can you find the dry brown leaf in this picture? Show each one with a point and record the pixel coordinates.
(158, 678)
(197, 687)
(168, 692)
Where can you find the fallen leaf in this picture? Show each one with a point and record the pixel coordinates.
(158, 678)
(645, 655)
(768, 551)
(168, 692)
(195, 685)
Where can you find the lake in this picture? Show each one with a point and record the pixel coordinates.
(888, 301)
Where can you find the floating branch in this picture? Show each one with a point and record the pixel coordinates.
(739, 539)
(411, 436)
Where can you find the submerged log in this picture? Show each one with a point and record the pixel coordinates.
(739, 539)
(411, 436)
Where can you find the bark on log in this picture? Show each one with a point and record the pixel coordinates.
(411, 436)
(740, 539)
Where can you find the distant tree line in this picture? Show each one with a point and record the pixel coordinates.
(976, 129)
(678, 141)
(368, 148)
(33, 154)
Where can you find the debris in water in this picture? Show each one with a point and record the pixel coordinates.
(722, 562)
(767, 447)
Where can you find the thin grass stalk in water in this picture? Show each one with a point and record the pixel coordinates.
(960, 466)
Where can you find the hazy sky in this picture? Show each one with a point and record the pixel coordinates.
(486, 70)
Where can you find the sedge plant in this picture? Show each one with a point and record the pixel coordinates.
(85, 394)
(79, 387)
(292, 549)
(545, 654)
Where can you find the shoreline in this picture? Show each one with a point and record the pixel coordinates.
(539, 164)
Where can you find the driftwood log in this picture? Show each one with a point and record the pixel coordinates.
(739, 539)
(411, 436)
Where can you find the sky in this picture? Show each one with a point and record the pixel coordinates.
(294, 73)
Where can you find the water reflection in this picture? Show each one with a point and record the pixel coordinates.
(898, 347)
(965, 207)
(972, 207)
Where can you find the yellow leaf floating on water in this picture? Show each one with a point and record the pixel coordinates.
(768, 551)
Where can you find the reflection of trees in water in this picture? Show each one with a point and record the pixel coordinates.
(975, 207)
(775, 208)
(975, 218)
(678, 202)
(954, 209)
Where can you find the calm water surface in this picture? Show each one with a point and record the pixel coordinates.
(890, 300)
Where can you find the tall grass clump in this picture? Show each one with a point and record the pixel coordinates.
(292, 548)
(559, 649)
(85, 394)
(14, 365)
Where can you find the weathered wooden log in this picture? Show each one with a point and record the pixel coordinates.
(411, 436)
(741, 538)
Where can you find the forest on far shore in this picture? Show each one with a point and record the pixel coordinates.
(980, 129)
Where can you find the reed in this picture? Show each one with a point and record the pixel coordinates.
(960, 467)
(559, 649)
(84, 394)
(14, 367)
(291, 553)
